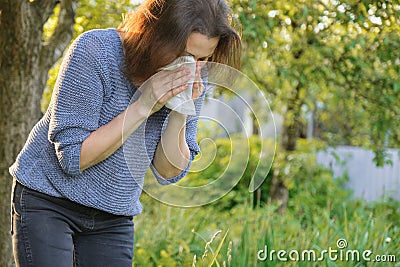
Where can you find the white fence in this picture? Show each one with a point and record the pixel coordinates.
(365, 179)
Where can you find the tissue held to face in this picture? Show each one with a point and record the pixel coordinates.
(199, 48)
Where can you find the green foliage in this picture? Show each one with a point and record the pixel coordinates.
(90, 15)
(319, 213)
(170, 236)
(338, 59)
(297, 168)
(217, 161)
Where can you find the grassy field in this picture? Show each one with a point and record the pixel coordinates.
(207, 236)
(322, 226)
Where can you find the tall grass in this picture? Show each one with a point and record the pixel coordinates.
(170, 236)
(234, 231)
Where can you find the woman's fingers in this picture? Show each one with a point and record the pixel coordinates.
(175, 82)
(165, 85)
(169, 76)
(171, 93)
(167, 80)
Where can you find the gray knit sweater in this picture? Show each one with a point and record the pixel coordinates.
(90, 91)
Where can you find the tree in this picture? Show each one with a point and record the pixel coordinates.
(33, 37)
(344, 55)
(366, 74)
(25, 61)
(89, 15)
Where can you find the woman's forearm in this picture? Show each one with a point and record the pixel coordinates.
(172, 154)
(108, 138)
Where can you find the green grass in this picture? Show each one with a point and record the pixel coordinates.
(230, 232)
(170, 236)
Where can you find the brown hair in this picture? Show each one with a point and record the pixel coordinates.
(156, 33)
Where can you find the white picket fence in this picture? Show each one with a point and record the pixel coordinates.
(365, 179)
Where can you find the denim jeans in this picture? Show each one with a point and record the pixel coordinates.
(50, 231)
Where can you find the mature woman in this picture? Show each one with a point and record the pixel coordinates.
(74, 193)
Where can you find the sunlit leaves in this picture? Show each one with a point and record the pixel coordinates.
(100, 14)
(90, 15)
(51, 24)
(342, 54)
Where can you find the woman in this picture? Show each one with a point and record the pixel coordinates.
(74, 195)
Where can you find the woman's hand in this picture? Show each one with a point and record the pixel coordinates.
(161, 87)
(198, 86)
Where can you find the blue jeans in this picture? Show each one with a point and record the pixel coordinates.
(51, 231)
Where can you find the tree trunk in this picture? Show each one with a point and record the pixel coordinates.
(25, 61)
(279, 193)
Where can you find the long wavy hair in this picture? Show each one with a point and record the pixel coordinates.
(157, 31)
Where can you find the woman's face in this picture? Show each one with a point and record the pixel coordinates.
(200, 46)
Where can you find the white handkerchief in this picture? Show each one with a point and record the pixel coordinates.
(183, 102)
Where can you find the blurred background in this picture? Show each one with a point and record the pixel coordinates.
(330, 71)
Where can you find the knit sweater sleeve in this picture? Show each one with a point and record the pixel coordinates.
(191, 135)
(77, 100)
